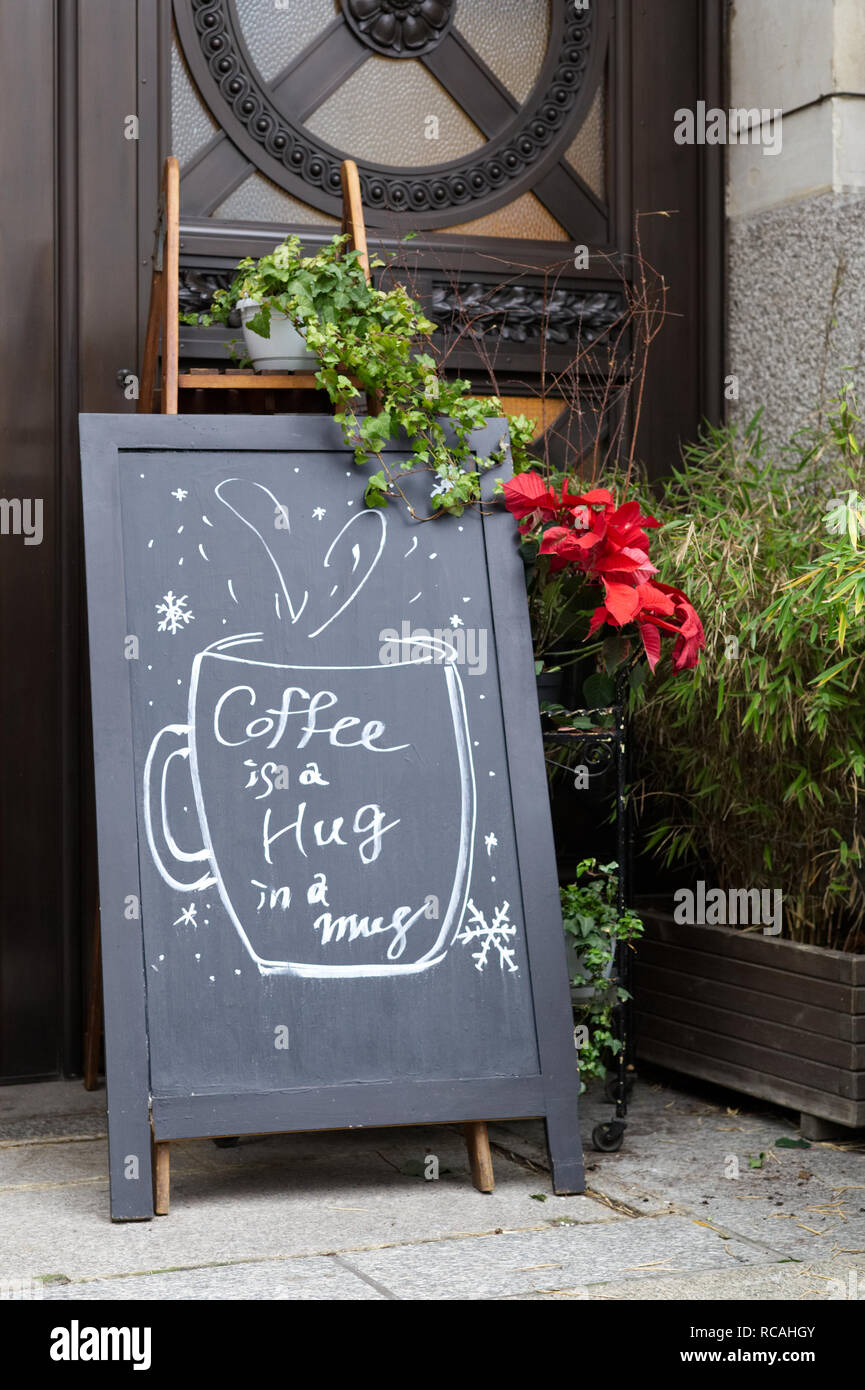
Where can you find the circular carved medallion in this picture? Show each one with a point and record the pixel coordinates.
(298, 161)
(400, 28)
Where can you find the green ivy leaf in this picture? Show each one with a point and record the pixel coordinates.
(599, 691)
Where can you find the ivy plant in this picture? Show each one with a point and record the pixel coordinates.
(594, 924)
(375, 342)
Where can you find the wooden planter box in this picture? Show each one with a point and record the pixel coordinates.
(758, 1014)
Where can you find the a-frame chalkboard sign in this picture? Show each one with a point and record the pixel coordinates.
(327, 881)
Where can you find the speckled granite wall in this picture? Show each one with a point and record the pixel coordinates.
(796, 306)
(796, 229)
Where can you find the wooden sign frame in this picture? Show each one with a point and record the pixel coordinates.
(136, 1117)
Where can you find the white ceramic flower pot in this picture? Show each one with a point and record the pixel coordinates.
(284, 351)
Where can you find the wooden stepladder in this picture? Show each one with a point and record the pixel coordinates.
(161, 362)
(164, 311)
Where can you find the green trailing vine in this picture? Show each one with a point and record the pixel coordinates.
(593, 923)
(367, 341)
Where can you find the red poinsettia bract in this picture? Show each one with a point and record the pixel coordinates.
(610, 546)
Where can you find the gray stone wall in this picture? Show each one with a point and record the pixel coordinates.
(796, 308)
(796, 213)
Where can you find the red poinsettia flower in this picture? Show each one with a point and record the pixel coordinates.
(597, 495)
(655, 607)
(690, 637)
(531, 501)
(562, 546)
(611, 533)
(621, 601)
(610, 546)
(528, 498)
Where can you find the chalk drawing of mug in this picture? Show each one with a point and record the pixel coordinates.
(336, 806)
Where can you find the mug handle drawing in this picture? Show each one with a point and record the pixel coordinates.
(182, 856)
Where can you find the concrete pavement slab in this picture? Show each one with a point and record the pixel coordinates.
(723, 1164)
(688, 1209)
(537, 1261)
(834, 1280)
(286, 1195)
(322, 1279)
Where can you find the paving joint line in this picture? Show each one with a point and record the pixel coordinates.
(323, 1254)
(367, 1279)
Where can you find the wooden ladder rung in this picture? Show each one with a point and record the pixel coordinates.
(200, 380)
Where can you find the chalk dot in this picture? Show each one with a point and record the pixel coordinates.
(179, 681)
(348, 473)
(141, 475)
(477, 743)
(350, 504)
(150, 668)
(160, 957)
(211, 978)
(237, 972)
(180, 561)
(483, 697)
(154, 967)
(207, 905)
(434, 555)
(207, 921)
(460, 528)
(492, 878)
(297, 470)
(466, 600)
(224, 621)
(492, 774)
(186, 810)
(150, 545)
(179, 529)
(198, 955)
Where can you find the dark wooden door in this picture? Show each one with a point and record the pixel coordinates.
(504, 132)
(68, 283)
(31, 791)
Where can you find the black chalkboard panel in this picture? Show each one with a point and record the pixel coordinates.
(327, 879)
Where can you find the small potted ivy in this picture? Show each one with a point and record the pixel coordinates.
(594, 925)
(369, 342)
(273, 297)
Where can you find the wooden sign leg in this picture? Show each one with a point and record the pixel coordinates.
(480, 1158)
(161, 1177)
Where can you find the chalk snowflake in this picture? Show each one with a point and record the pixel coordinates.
(319, 513)
(180, 493)
(489, 936)
(188, 916)
(174, 614)
(456, 621)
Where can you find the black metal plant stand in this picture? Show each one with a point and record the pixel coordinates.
(597, 748)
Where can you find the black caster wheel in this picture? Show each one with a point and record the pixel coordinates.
(611, 1088)
(608, 1138)
(227, 1142)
